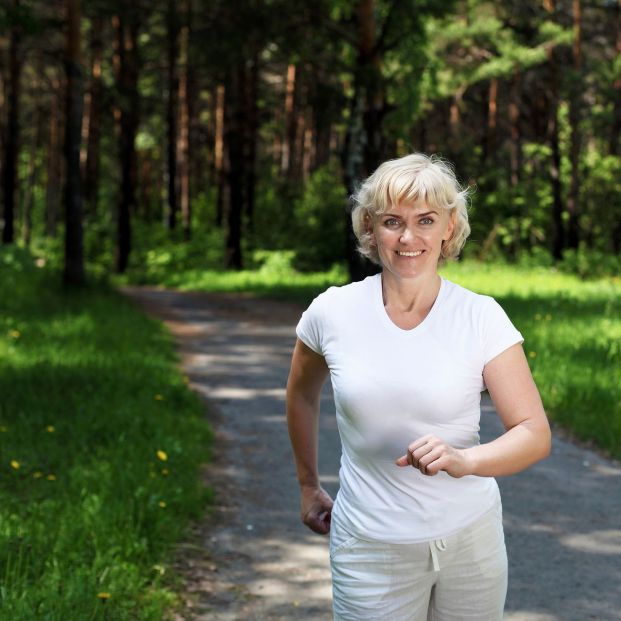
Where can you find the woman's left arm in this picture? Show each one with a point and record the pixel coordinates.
(526, 441)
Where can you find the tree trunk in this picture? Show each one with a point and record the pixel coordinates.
(127, 41)
(234, 123)
(362, 151)
(54, 164)
(9, 164)
(93, 131)
(288, 142)
(171, 110)
(252, 127)
(615, 133)
(183, 147)
(74, 251)
(489, 144)
(219, 159)
(575, 113)
(558, 228)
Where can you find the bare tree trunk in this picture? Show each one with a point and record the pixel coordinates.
(489, 144)
(54, 165)
(252, 127)
(184, 125)
(171, 110)
(92, 137)
(219, 159)
(74, 251)
(9, 164)
(558, 228)
(515, 153)
(290, 124)
(363, 147)
(127, 41)
(615, 133)
(575, 113)
(234, 123)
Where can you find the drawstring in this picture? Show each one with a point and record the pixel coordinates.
(437, 544)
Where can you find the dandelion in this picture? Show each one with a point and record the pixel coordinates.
(14, 464)
(14, 334)
(532, 354)
(51, 477)
(162, 504)
(159, 397)
(165, 471)
(37, 474)
(103, 596)
(51, 429)
(162, 455)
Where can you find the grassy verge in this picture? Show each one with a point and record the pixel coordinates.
(100, 446)
(572, 328)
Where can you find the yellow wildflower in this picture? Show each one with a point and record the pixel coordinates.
(162, 455)
(14, 334)
(14, 464)
(165, 471)
(51, 477)
(51, 429)
(159, 398)
(104, 596)
(161, 503)
(37, 475)
(532, 354)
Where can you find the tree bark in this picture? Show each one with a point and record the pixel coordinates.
(74, 251)
(251, 116)
(33, 168)
(219, 159)
(54, 164)
(234, 124)
(92, 139)
(363, 142)
(288, 142)
(615, 134)
(171, 110)
(127, 40)
(183, 147)
(575, 114)
(9, 164)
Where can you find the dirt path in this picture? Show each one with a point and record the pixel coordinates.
(257, 562)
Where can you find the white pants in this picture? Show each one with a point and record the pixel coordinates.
(461, 577)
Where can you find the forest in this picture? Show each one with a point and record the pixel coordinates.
(203, 133)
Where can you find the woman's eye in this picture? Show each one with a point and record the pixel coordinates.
(391, 222)
(427, 220)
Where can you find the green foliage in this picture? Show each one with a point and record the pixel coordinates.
(100, 447)
(320, 218)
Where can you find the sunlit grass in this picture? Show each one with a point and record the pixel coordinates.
(100, 447)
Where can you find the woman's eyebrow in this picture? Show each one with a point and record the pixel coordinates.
(396, 215)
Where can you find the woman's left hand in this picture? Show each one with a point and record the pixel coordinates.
(430, 455)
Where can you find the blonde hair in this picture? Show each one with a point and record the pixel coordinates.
(411, 179)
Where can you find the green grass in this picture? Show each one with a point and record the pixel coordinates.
(572, 327)
(89, 393)
(572, 337)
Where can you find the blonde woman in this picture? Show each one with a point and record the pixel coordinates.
(416, 528)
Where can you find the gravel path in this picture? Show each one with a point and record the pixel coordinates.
(255, 561)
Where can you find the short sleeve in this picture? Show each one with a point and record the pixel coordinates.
(310, 328)
(497, 332)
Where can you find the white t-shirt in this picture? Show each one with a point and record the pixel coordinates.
(392, 386)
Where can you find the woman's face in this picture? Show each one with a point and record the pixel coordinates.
(409, 239)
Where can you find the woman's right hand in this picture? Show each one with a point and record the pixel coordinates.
(316, 509)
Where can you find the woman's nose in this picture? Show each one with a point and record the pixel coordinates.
(406, 235)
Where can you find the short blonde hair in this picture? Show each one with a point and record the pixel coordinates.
(411, 179)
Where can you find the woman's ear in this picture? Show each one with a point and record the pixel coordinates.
(450, 226)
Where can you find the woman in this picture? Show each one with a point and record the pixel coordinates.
(416, 529)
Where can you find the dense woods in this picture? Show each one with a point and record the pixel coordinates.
(224, 129)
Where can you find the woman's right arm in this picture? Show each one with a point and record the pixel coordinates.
(306, 378)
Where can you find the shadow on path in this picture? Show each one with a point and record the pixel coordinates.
(562, 517)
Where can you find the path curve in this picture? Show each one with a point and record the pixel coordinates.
(257, 562)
